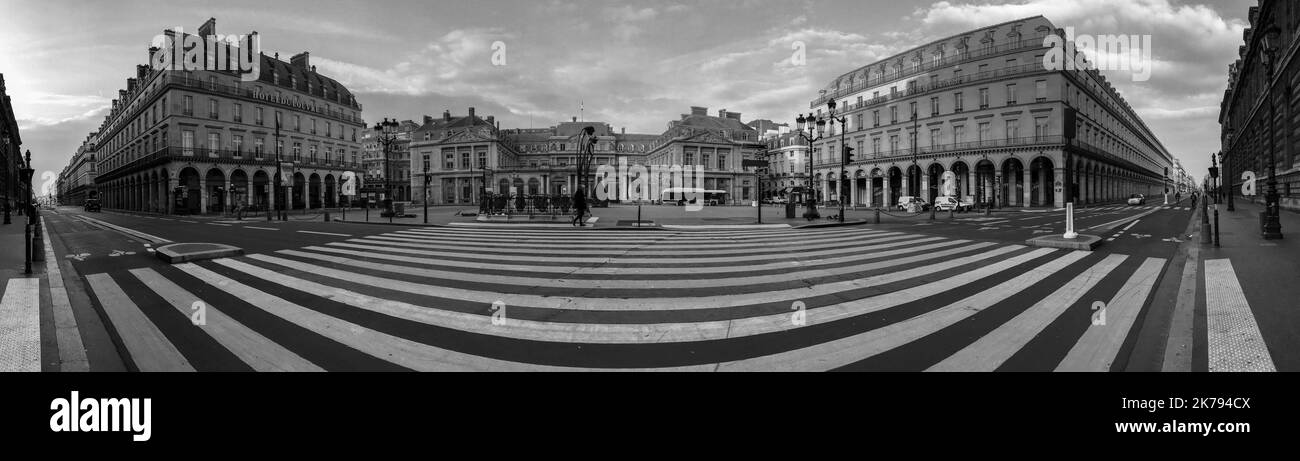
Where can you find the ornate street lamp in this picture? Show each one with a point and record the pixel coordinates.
(1272, 222)
(25, 179)
(386, 135)
(811, 137)
(4, 138)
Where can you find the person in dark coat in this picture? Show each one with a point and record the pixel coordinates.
(580, 208)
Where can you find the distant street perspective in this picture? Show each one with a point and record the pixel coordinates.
(973, 191)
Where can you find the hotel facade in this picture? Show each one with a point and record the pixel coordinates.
(205, 141)
(982, 105)
(1257, 105)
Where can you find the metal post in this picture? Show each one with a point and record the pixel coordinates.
(1216, 226)
(1205, 222)
(426, 193)
(1069, 221)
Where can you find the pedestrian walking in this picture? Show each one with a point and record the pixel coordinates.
(580, 208)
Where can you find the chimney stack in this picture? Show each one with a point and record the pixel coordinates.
(575, 119)
(302, 60)
(471, 112)
(722, 113)
(490, 120)
(446, 116)
(624, 130)
(697, 110)
(428, 119)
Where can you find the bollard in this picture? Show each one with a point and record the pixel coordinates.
(27, 248)
(327, 216)
(877, 216)
(1216, 227)
(1069, 222)
(952, 213)
(38, 244)
(1205, 224)
(932, 213)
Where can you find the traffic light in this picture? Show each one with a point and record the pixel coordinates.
(848, 155)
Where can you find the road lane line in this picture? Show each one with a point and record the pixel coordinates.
(148, 348)
(325, 233)
(20, 325)
(261, 228)
(1234, 338)
(993, 349)
(1130, 225)
(132, 232)
(834, 354)
(1097, 349)
(252, 348)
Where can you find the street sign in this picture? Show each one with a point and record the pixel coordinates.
(286, 172)
(746, 163)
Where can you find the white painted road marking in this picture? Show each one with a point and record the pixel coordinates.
(261, 228)
(1097, 349)
(148, 347)
(325, 233)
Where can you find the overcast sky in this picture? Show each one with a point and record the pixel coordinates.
(633, 64)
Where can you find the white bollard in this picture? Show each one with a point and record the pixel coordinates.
(1069, 221)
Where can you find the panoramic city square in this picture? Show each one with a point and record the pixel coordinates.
(643, 186)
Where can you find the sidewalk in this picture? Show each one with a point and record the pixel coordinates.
(27, 325)
(1266, 273)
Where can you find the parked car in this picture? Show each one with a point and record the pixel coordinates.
(948, 202)
(906, 199)
(92, 204)
(779, 201)
(1137, 199)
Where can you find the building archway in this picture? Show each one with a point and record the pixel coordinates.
(895, 189)
(1013, 184)
(215, 190)
(332, 192)
(239, 189)
(261, 189)
(962, 172)
(984, 178)
(314, 191)
(935, 179)
(300, 191)
(913, 185)
(1042, 182)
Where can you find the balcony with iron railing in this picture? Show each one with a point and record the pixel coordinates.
(920, 89)
(983, 52)
(196, 154)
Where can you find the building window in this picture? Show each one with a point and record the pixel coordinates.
(934, 137)
(188, 108)
(449, 161)
(257, 146)
(214, 142)
(1040, 127)
(237, 142)
(1040, 90)
(237, 112)
(893, 114)
(1011, 94)
(297, 152)
(983, 132)
(212, 108)
(297, 123)
(875, 146)
(187, 142)
(893, 143)
(959, 134)
(259, 116)
(934, 106)
(311, 153)
(957, 102)
(875, 117)
(984, 98)
(1013, 129)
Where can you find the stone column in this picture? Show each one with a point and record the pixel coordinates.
(203, 195)
(853, 192)
(925, 187)
(888, 191)
(1027, 188)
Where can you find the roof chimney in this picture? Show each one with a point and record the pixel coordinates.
(446, 116)
(471, 112)
(209, 27)
(696, 110)
(490, 120)
(624, 130)
(428, 119)
(722, 113)
(302, 60)
(575, 119)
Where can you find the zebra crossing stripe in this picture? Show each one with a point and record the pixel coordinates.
(583, 243)
(565, 280)
(618, 333)
(1234, 338)
(1100, 344)
(631, 304)
(625, 236)
(844, 351)
(607, 270)
(992, 350)
(604, 249)
(404, 352)
(260, 353)
(618, 258)
(148, 347)
(20, 335)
